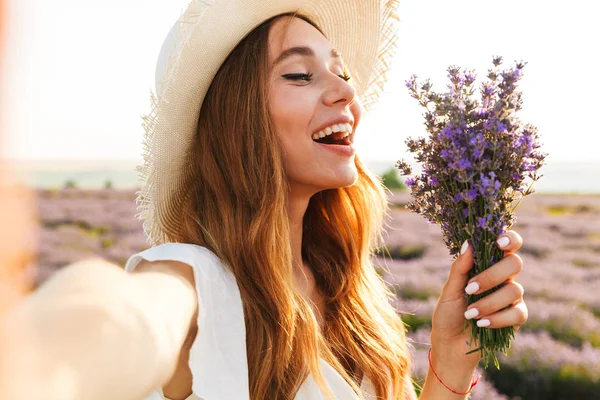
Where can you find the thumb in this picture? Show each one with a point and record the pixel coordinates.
(459, 274)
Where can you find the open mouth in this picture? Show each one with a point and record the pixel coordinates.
(339, 138)
(337, 134)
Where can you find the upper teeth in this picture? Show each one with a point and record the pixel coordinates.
(345, 128)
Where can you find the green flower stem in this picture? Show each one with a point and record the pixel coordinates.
(491, 340)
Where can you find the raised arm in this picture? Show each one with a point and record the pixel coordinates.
(451, 369)
(93, 331)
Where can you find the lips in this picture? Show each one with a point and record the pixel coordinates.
(338, 138)
(345, 150)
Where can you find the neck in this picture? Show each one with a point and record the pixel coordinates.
(297, 206)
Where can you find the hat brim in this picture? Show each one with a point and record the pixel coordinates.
(363, 31)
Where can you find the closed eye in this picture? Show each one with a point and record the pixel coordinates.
(298, 77)
(307, 77)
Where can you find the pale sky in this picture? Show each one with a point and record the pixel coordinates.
(79, 72)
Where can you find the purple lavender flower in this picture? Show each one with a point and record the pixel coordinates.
(448, 133)
(480, 157)
(463, 164)
(471, 195)
(411, 82)
(470, 77)
(485, 181)
(483, 222)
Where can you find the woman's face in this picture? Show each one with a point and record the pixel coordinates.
(310, 97)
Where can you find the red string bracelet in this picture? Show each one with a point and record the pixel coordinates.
(474, 380)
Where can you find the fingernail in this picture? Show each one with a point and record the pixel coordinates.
(464, 247)
(472, 288)
(482, 323)
(471, 313)
(503, 242)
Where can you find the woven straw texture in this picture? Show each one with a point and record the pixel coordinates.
(364, 31)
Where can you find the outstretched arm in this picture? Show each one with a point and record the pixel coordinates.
(93, 331)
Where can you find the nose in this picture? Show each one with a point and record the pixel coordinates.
(338, 91)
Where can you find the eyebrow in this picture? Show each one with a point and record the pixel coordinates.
(302, 51)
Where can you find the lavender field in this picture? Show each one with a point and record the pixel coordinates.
(556, 354)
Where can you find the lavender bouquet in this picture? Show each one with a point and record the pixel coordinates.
(477, 163)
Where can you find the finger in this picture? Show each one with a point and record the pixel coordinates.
(506, 269)
(507, 295)
(509, 241)
(457, 278)
(515, 316)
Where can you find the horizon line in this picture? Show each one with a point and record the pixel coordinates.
(127, 163)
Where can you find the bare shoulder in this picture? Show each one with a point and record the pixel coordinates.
(171, 267)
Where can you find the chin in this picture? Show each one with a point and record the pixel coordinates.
(316, 180)
(347, 177)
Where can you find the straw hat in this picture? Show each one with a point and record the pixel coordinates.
(364, 31)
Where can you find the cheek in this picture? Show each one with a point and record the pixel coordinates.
(291, 112)
(291, 107)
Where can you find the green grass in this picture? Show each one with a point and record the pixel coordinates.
(561, 209)
(594, 236)
(402, 252)
(416, 321)
(98, 231)
(584, 263)
(381, 271)
(411, 293)
(106, 243)
(564, 334)
(534, 251)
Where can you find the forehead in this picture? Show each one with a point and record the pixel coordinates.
(288, 32)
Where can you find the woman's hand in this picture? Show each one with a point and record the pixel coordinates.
(449, 339)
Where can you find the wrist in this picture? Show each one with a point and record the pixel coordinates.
(453, 354)
(446, 380)
(457, 378)
(447, 358)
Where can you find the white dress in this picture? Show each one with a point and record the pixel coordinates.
(218, 354)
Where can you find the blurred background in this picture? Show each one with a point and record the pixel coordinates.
(76, 79)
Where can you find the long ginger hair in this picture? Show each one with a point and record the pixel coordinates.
(237, 208)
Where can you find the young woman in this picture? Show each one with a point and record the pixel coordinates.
(265, 217)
